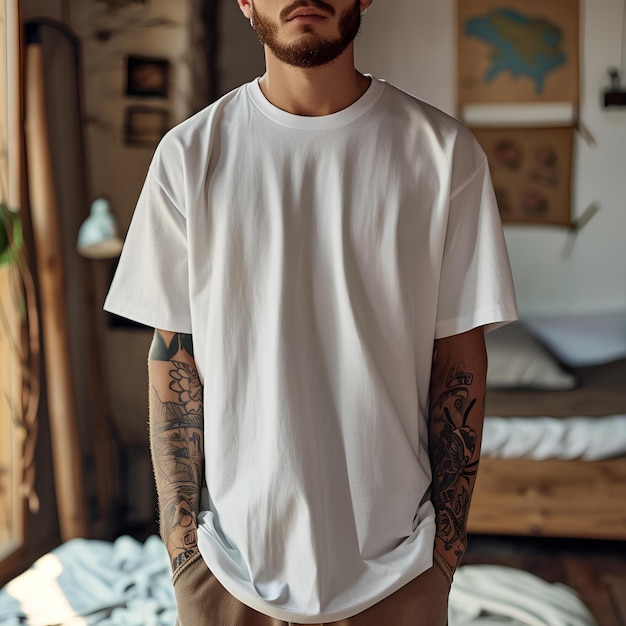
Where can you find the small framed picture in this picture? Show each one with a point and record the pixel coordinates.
(531, 170)
(147, 77)
(144, 126)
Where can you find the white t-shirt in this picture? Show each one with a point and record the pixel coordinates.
(315, 260)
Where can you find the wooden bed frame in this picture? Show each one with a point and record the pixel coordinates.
(578, 499)
(550, 498)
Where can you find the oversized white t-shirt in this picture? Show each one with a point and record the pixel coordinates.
(315, 260)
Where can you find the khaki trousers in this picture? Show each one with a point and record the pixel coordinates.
(202, 601)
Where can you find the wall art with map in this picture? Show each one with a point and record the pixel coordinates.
(531, 172)
(518, 51)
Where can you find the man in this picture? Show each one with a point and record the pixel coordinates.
(320, 254)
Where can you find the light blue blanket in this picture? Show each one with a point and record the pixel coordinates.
(85, 582)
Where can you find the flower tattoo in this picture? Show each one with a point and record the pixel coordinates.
(186, 383)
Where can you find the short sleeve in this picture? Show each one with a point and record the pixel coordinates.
(476, 286)
(151, 283)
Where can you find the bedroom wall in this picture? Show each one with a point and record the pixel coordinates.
(117, 170)
(412, 43)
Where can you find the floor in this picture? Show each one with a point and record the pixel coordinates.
(595, 569)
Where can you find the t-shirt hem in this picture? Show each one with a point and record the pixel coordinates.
(490, 318)
(422, 564)
(149, 318)
(255, 603)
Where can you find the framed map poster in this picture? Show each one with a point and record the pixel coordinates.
(531, 169)
(518, 51)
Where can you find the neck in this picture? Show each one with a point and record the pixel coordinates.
(315, 91)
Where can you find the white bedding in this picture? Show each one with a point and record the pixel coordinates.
(586, 438)
(127, 583)
(492, 595)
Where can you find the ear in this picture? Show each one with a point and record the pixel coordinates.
(246, 7)
(366, 4)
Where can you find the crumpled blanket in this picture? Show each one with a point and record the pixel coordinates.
(127, 583)
(539, 438)
(85, 582)
(493, 595)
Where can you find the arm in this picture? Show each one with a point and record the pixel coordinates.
(176, 440)
(457, 404)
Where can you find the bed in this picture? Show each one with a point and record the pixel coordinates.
(554, 451)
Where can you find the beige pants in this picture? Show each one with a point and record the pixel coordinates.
(202, 601)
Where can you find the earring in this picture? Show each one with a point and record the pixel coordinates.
(363, 12)
(252, 22)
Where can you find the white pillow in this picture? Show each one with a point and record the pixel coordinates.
(582, 340)
(517, 359)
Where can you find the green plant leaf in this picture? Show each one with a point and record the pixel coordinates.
(11, 235)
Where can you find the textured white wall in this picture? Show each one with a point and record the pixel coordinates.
(159, 28)
(412, 44)
(117, 170)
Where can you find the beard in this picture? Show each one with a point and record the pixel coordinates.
(308, 51)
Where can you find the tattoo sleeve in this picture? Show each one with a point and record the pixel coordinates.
(457, 399)
(176, 440)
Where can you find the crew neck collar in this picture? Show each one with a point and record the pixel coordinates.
(322, 122)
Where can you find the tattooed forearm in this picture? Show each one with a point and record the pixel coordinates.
(455, 427)
(176, 437)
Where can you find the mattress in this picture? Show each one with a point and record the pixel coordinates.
(587, 423)
(601, 391)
